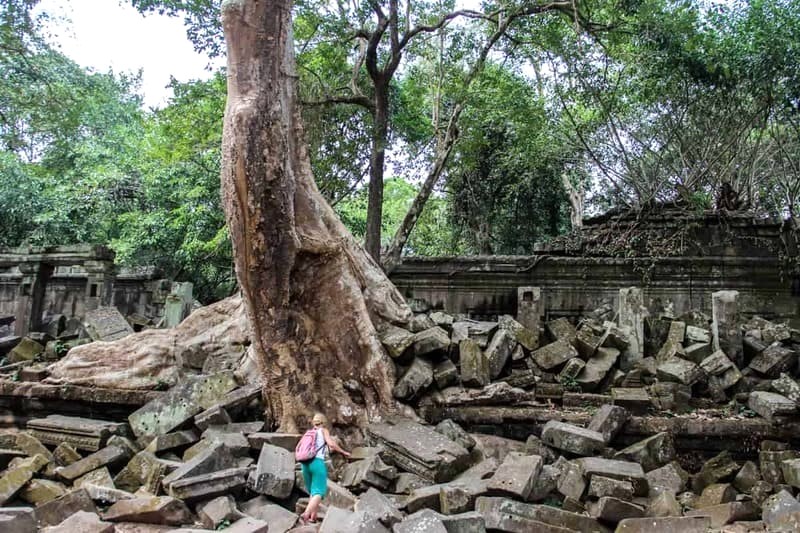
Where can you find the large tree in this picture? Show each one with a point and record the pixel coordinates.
(313, 295)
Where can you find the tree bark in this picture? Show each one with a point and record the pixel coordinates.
(576, 198)
(313, 295)
(380, 134)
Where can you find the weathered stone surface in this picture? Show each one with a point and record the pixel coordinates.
(572, 483)
(170, 441)
(455, 499)
(420, 323)
(342, 521)
(475, 330)
(80, 433)
(573, 439)
(636, 400)
(181, 403)
(419, 449)
(788, 387)
(727, 513)
(719, 468)
(791, 472)
(726, 380)
(697, 352)
(287, 441)
(716, 494)
(17, 520)
(100, 477)
(65, 455)
(369, 472)
(554, 354)
(205, 486)
(106, 495)
(83, 522)
(496, 510)
(432, 340)
(716, 363)
(680, 371)
(673, 342)
(39, 491)
(109, 455)
(613, 510)
(219, 510)
(687, 524)
(499, 351)
(280, 520)
(524, 335)
(587, 342)
(414, 381)
(769, 404)
(774, 360)
(609, 421)
(396, 340)
(474, 364)
(405, 483)
(445, 374)
(374, 504)
(597, 367)
(631, 315)
(56, 511)
(572, 368)
(615, 469)
(561, 329)
(216, 457)
(419, 522)
(498, 393)
(770, 464)
(778, 507)
(601, 486)
(652, 452)
(139, 469)
(747, 477)
(16, 477)
(215, 415)
(274, 473)
(516, 475)
(26, 350)
(725, 326)
(106, 324)
(456, 433)
(670, 478)
(695, 334)
(665, 504)
(156, 510)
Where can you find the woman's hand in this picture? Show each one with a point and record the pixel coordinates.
(346, 454)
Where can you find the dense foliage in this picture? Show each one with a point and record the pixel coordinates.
(623, 104)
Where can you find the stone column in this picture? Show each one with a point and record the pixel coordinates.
(529, 308)
(99, 283)
(725, 327)
(178, 304)
(631, 317)
(30, 296)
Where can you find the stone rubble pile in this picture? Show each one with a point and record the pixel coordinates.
(641, 361)
(197, 459)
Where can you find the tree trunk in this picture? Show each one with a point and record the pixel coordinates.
(311, 291)
(380, 132)
(575, 196)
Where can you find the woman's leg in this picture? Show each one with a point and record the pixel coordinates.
(318, 487)
(304, 468)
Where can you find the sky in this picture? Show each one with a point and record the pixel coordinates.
(107, 34)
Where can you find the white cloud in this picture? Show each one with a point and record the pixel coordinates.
(104, 35)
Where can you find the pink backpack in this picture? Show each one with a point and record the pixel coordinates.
(307, 449)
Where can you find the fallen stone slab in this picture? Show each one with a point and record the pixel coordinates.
(26, 350)
(80, 433)
(216, 457)
(106, 495)
(142, 467)
(670, 478)
(679, 371)
(445, 374)
(414, 381)
(456, 433)
(573, 439)
(770, 405)
(615, 469)
(494, 510)
(613, 510)
(106, 324)
(110, 455)
(180, 403)
(561, 329)
(56, 511)
(170, 441)
(162, 510)
(274, 473)
(609, 421)
(396, 340)
(601, 486)
(39, 491)
(728, 513)
(715, 494)
(498, 353)
(652, 452)
(213, 416)
(15, 477)
(419, 522)
(419, 449)
(101, 477)
(369, 472)
(788, 387)
(528, 338)
(374, 504)
(18, 520)
(194, 488)
(774, 360)
(431, 340)
(343, 521)
(474, 365)
(83, 522)
(470, 522)
(686, 524)
(287, 441)
(598, 367)
(778, 507)
(516, 475)
(572, 482)
(280, 520)
(554, 354)
(719, 468)
(213, 513)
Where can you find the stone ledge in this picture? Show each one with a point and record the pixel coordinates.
(38, 391)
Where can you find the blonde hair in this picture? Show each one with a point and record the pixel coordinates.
(322, 418)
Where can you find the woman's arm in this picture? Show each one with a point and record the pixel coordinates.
(332, 443)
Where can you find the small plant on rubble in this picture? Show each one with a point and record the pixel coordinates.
(570, 384)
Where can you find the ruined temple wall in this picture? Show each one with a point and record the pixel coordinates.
(571, 286)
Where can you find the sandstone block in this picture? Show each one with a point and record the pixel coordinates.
(573, 439)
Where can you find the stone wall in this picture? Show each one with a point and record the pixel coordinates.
(711, 252)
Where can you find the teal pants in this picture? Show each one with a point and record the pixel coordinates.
(315, 475)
